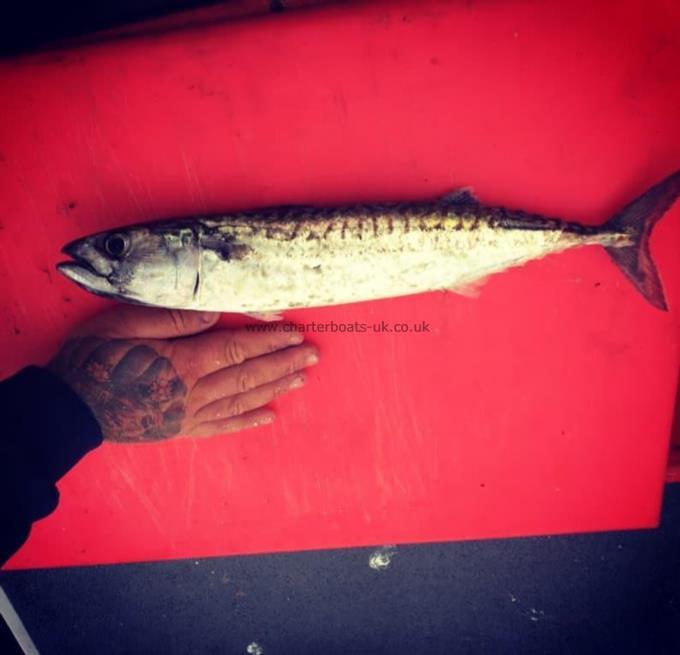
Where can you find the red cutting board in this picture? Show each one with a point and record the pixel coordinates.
(543, 406)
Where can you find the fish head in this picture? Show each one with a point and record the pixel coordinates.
(150, 265)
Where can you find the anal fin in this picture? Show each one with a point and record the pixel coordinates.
(469, 289)
(265, 316)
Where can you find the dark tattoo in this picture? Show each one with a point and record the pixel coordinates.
(134, 393)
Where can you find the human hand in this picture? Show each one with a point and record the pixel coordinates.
(146, 379)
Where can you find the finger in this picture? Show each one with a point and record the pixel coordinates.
(136, 322)
(235, 424)
(217, 350)
(252, 373)
(246, 402)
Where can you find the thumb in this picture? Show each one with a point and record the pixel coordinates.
(137, 322)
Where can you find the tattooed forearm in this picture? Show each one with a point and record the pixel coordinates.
(134, 393)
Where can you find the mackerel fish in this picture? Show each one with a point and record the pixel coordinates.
(265, 261)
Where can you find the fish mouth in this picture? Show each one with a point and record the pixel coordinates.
(81, 271)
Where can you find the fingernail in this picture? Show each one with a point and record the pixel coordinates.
(312, 359)
(264, 420)
(209, 317)
(296, 337)
(297, 382)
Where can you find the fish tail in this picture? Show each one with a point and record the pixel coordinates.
(637, 220)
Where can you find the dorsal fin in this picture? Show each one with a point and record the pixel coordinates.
(462, 196)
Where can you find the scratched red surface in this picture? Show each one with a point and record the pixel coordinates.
(543, 406)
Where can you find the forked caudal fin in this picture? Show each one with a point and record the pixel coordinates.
(637, 220)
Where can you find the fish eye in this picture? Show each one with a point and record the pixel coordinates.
(116, 244)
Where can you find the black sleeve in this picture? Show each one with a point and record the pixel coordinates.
(46, 428)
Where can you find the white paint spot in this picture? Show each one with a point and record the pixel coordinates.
(513, 598)
(382, 558)
(536, 615)
(255, 649)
